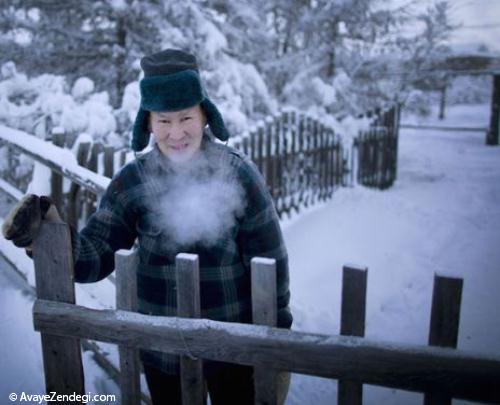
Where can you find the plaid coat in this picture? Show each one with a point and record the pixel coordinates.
(128, 210)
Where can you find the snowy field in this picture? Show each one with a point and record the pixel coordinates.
(441, 216)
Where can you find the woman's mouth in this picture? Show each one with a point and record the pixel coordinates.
(179, 147)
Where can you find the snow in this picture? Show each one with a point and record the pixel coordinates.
(62, 158)
(21, 352)
(440, 217)
(465, 116)
(26, 101)
(82, 88)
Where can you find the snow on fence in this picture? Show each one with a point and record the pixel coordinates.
(440, 372)
(302, 160)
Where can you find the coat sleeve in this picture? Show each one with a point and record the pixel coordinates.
(260, 235)
(110, 228)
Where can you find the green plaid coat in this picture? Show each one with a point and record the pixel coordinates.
(127, 211)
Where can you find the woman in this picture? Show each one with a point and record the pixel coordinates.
(188, 194)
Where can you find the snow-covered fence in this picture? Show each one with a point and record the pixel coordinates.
(302, 160)
(77, 178)
(76, 202)
(377, 151)
(441, 372)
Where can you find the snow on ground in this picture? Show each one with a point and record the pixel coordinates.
(21, 366)
(441, 216)
(466, 116)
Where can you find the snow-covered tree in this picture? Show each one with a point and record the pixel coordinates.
(96, 38)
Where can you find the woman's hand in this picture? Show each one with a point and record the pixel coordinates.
(23, 222)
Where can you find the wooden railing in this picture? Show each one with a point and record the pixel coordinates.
(439, 372)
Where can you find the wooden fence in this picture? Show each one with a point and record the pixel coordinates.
(377, 151)
(301, 159)
(440, 372)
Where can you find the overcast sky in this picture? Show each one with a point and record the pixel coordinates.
(480, 20)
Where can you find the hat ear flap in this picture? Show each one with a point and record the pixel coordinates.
(141, 132)
(214, 120)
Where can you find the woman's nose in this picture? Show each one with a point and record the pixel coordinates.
(176, 132)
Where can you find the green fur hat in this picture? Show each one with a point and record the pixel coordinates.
(172, 82)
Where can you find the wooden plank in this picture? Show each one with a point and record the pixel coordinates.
(260, 148)
(253, 149)
(410, 367)
(314, 149)
(56, 180)
(445, 316)
(352, 323)
(445, 319)
(277, 166)
(292, 159)
(73, 201)
(53, 261)
(301, 159)
(493, 134)
(264, 312)
(353, 306)
(109, 155)
(269, 161)
(188, 306)
(126, 262)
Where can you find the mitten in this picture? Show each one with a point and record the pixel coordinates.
(23, 221)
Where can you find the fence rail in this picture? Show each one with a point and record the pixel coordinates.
(409, 367)
(434, 370)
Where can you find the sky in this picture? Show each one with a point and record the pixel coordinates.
(479, 22)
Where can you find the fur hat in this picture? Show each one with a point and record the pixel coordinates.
(172, 82)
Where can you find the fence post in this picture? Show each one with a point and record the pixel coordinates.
(53, 261)
(92, 164)
(445, 318)
(126, 299)
(352, 323)
(188, 306)
(278, 164)
(493, 134)
(56, 181)
(73, 201)
(264, 312)
(109, 160)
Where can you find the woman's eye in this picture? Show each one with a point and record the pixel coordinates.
(186, 118)
(164, 121)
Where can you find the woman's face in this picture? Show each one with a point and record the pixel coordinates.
(178, 133)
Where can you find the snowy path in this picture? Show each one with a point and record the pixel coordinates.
(442, 216)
